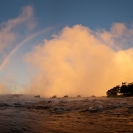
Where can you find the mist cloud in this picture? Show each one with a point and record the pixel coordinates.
(4, 89)
(81, 61)
(9, 29)
(119, 37)
(10, 33)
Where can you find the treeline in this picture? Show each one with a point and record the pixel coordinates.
(126, 89)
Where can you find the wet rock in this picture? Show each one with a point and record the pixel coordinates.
(98, 102)
(54, 96)
(18, 105)
(59, 110)
(4, 105)
(93, 96)
(99, 107)
(95, 108)
(117, 105)
(49, 101)
(78, 95)
(66, 96)
(85, 100)
(92, 109)
(41, 107)
(38, 96)
(63, 101)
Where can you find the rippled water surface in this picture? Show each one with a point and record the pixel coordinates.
(27, 114)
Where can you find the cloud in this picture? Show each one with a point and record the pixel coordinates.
(9, 30)
(119, 37)
(80, 61)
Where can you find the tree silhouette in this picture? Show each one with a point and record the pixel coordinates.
(113, 92)
(123, 90)
(130, 89)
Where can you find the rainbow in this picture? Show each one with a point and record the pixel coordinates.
(21, 43)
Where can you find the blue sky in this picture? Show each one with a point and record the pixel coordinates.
(96, 15)
(92, 13)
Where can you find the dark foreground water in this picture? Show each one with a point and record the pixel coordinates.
(82, 115)
(21, 121)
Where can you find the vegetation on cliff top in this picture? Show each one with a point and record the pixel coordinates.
(126, 89)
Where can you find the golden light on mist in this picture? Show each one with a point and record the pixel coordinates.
(80, 61)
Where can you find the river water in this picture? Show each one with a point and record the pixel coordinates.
(24, 114)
